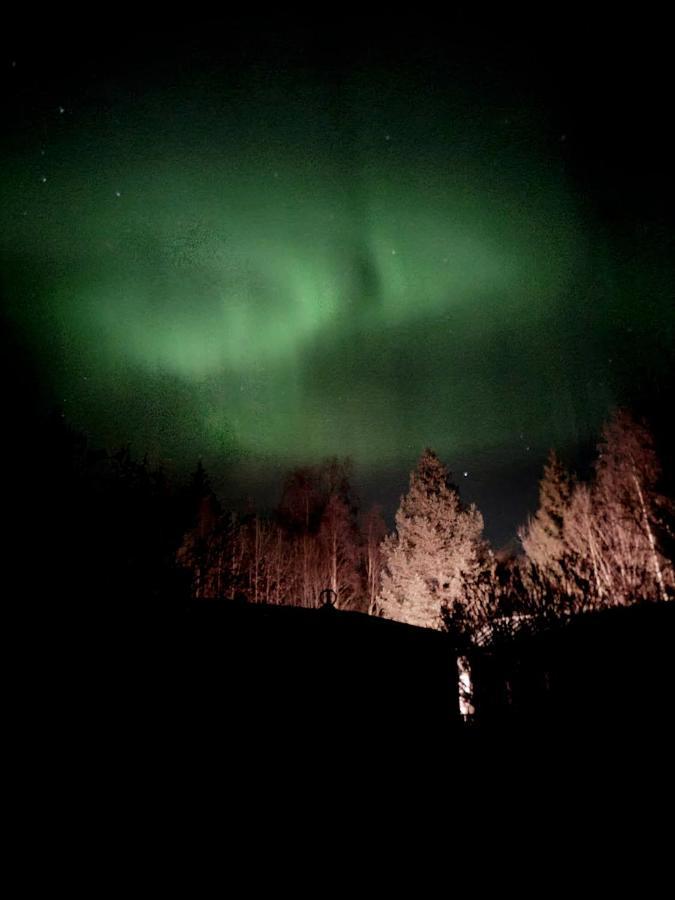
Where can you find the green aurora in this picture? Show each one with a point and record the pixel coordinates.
(284, 270)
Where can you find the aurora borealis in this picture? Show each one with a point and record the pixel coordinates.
(264, 257)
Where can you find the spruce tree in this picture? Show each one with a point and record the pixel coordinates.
(543, 537)
(436, 548)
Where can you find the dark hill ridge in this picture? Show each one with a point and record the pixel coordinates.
(605, 671)
(183, 690)
(287, 671)
(197, 682)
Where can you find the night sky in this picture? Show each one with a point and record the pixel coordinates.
(262, 242)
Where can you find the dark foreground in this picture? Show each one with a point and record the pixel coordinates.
(212, 679)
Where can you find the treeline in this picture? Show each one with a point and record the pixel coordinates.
(603, 542)
(315, 548)
(117, 529)
(607, 541)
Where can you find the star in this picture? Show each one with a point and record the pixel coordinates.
(62, 109)
(118, 194)
(466, 474)
(44, 179)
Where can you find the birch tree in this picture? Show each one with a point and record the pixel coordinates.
(339, 542)
(630, 511)
(374, 530)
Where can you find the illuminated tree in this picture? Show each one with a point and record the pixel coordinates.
(318, 515)
(374, 530)
(339, 543)
(543, 538)
(629, 513)
(598, 544)
(436, 549)
(587, 568)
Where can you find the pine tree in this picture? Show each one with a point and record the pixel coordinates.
(543, 537)
(436, 548)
